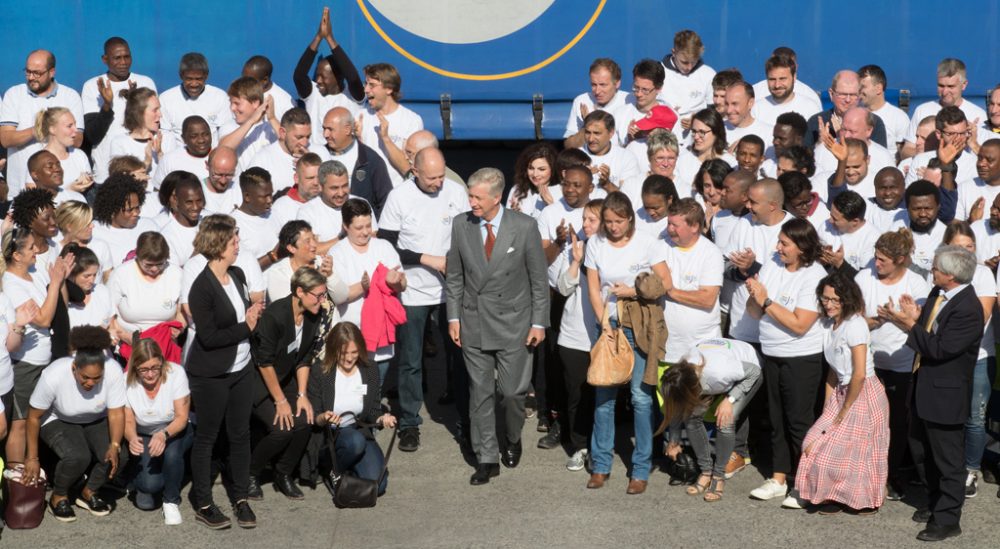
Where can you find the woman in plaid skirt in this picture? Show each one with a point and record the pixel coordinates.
(844, 458)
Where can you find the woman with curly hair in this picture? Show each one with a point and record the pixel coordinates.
(536, 180)
(34, 209)
(116, 209)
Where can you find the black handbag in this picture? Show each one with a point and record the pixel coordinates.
(349, 491)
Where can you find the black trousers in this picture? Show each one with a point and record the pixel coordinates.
(939, 455)
(285, 445)
(579, 397)
(897, 390)
(793, 385)
(225, 399)
(546, 372)
(78, 446)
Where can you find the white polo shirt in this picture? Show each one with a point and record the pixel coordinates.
(176, 105)
(20, 105)
(92, 102)
(972, 112)
(575, 122)
(180, 159)
(424, 225)
(349, 157)
(402, 124)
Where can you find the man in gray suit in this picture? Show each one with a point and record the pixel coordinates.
(498, 309)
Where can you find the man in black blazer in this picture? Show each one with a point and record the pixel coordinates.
(946, 337)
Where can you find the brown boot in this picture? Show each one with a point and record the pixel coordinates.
(597, 480)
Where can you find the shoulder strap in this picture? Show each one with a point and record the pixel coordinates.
(388, 452)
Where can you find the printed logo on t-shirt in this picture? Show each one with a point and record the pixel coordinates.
(785, 299)
(689, 279)
(636, 268)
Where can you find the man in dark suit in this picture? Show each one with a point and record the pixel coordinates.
(498, 309)
(946, 337)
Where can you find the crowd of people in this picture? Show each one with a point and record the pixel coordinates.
(203, 281)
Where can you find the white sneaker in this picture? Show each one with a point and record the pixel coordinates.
(171, 514)
(792, 501)
(577, 461)
(769, 490)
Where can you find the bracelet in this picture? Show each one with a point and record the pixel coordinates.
(300, 395)
(282, 401)
(116, 445)
(20, 329)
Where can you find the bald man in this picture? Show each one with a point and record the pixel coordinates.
(222, 193)
(369, 175)
(845, 93)
(421, 140)
(417, 222)
(20, 105)
(857, 123)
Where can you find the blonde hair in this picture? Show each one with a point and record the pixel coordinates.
(72, 216)
(44, 121)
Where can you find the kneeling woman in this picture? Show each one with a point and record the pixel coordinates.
(347, 397)
(712, 368)
(77, 408)
(844, 455)
(158, 401)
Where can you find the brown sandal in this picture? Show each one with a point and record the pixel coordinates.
(699, 488)
(714, 492)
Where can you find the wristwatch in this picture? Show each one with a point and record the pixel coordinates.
(767, 303)
(948, 168)
(731, 399)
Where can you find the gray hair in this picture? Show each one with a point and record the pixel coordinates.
(330, 167)
(955, 261)
(660, 139)
(193, 61)
(488, 176)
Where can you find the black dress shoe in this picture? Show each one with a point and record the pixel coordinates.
(937, 532)
(921, 515)
(284, 484)
(254, 493)
(511, 455)
(484, 472)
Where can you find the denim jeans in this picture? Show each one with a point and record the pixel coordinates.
(725, 437)
(975, 426)
(360, 456)
(164, 473)
(411, 358)
(603, 441)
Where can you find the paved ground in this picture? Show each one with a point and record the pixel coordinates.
(431, 504)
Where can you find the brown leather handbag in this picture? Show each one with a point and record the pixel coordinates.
(25, 503)
(611, 359)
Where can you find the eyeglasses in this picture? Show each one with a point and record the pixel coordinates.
(148, 266)
(701, 133)
(954, 134)
(642, 91)
(829, 300)
(847, 95)
(150, 370)
(318, 295)
(35, 74)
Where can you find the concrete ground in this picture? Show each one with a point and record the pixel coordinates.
(430, 503)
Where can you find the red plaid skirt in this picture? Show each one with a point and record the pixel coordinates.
(847, 463)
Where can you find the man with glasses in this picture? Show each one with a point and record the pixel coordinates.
(647, 81)
(951, 82)
(845, 93)
(222, 194)
(951, 128)
(20, 105)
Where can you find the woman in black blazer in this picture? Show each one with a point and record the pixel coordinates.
(283, 349)
(218, 373)
(354, 411)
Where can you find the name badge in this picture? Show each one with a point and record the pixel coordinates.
(361, 390)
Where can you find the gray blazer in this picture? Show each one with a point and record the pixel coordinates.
(498, 301)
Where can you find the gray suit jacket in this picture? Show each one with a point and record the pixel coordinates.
(498, 301)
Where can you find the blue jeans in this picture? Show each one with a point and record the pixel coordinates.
(164, 473)
(411, 358)
(602, 445)
(383, 369)
(359, 455)
(975, 426)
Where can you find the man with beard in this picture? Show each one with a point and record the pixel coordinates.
(780, 71)
(604, 95)
(279, 158)
(923, 202)
(20, 105)
(975, 195)
(324, 213)
(286, 206)
(873, 85)
(197, 137)
(186, 203)
(192, 97)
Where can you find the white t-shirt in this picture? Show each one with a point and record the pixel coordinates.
(883, 220)
(758, 127)
(278, 163)
(285, 209)
(987, 240)
(924, 245)
(972, 190)
(348, 157)
(762, 239)
(620, 163)
(96, 312)
(644, 223)
(176, 105)
(965, 164)
(760, 89)
(124, 145)
(791, 290)
(92, 102)
(424, 225)
(896, 123)
(351, 265)
(141, 304)
(155, 414)
(350, 397)
(985, 284)
(972, 112)
(687, 168)
(532, 204)
(327, 223)
(691, 269)
(180, 159)
(317, 105)
(58, 392)
(723, 363)
(622, 265)
(767, 110)
(402, 124)
(888, 343)
(258, 234)
(838, 343)
(550, 219)
(878, 157)
(224, 202)
(75, 165)
(578, 326)
(625, 115)
(121, 241)
(687, 93)
(243, 348)
(282, 100)
(7, 317)
(180, 239)
(36, 343)
(575, 122)
(859, 246)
